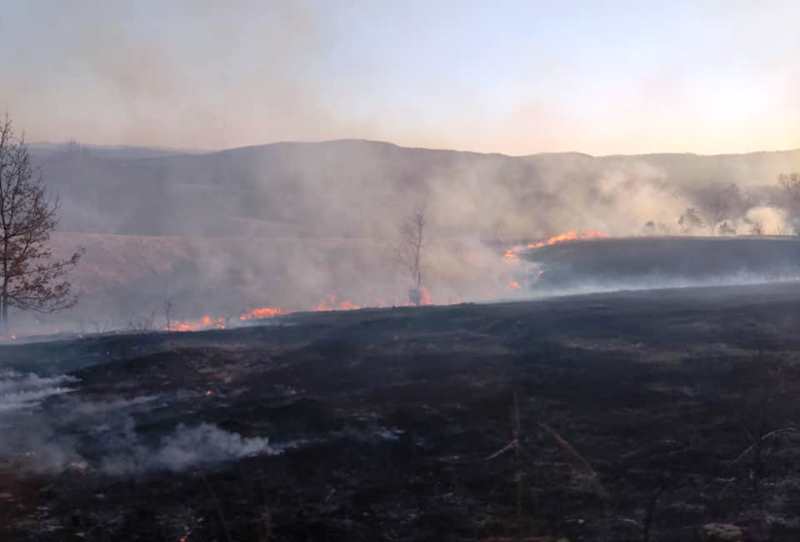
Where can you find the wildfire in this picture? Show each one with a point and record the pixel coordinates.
(425, 296)
(331, 304)
(512, 255)
(206, 322)
(514, 285)
(262, 312)
(566, 237)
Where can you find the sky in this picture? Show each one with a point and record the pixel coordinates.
(515, 77)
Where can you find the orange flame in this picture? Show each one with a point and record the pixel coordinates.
(514, 285)
(262, 312)
(206, 322)
(512, 255)
(331, 304)
(425, 296)
(567, 237)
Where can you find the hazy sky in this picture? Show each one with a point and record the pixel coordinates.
(516, 77)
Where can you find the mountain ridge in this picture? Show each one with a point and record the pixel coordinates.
(181, 151)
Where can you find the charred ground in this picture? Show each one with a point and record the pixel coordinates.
(639, 414)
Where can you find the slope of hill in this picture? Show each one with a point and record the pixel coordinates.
(639, 415)
(647, 262)
(291, 223)
(361, 188)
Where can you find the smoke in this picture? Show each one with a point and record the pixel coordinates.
(172, 75)
(185, 448)
(289, 225)
(768, 220)
(23, 391)
(44, 430)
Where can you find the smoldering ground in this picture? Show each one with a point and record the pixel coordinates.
(46, 429)
(401, 413)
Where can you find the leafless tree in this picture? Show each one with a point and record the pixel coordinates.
(722, 204)
(756, 227)
(168, 307)
(726, 228)
(30, 277)
(143, 323)
(689, 220)
(790, 182)
(790, 186)
(410, 251)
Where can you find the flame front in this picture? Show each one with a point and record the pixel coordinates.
(206, 322)
(425, 296)
(330, 303)
(566, 237)
(512, 255)
(262, 312)
(333, 303)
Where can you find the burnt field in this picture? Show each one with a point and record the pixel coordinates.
(607, 264)
(628, 416)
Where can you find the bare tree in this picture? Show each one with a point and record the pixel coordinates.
(168, 306)
(722, 203)
(412, 243)
(790, 186)
(690, 220)
(30, 277)
(790, 182)
(756, 227)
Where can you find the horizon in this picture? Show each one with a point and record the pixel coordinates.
(192, 150)
(513, 78)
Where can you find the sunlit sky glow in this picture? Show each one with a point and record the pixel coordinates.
(516, 77)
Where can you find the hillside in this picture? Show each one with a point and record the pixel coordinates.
(291, 224)
(361, 188)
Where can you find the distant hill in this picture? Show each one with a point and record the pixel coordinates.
(361, 188)
(290, 224)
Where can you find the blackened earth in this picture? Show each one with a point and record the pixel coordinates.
(626, 416)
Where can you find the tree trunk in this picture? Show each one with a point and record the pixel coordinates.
(4, 329)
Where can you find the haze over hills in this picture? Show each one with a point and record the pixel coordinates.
(356, 188)
(291, 224)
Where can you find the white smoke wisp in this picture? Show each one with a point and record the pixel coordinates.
(656, 281)
(46, 431)
(772, 220)
(184, 448)
(26, 390)
(207, 443)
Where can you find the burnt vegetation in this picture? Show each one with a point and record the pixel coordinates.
(650, 416)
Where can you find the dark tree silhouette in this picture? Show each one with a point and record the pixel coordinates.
(690, 219)
(722, 203)
(30, 277)
(412, 242)
(790, 185)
